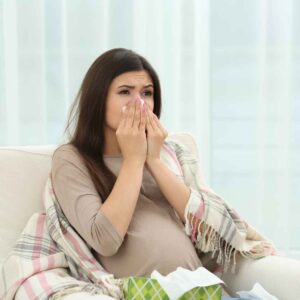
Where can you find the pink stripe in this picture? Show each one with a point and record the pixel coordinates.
(200, 211)
(44, 283)
(51, 262)
(40, 225)
(36, 263)
(36, 248)
(94, 269)
(77, 247)
(173, 155)
(28, 289)
(39, 234)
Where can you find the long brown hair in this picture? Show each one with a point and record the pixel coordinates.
(89, 107)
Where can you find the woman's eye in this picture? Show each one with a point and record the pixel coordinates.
(122, 92)
(149, 93)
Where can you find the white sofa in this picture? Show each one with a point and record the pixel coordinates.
(23, 173)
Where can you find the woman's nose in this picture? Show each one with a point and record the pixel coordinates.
(149, 104)
(138, 98)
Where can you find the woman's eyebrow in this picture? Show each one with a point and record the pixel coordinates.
(132, 86)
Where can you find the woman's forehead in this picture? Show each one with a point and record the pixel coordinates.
(133, 78)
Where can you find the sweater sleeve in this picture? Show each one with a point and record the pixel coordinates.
(81, 203)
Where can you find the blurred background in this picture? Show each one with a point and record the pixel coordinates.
(229, 72)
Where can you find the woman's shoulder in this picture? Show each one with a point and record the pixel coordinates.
(66, 152)
(65, 149)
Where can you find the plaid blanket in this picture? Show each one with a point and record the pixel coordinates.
(51, 260)
(50, 257)
(213, 225)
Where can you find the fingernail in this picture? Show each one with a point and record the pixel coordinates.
(142, 102)
(123, 108)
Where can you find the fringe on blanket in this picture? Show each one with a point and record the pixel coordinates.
(211, 240)
(218, 227)
(90, 288)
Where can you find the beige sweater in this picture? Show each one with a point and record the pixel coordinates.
(155, 239)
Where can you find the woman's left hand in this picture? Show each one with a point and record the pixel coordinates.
(156, 134)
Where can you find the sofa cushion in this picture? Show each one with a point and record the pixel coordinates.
(23, 174)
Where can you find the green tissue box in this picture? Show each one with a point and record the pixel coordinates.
(144, 288)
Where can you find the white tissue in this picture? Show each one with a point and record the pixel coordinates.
(257, 293)
(182, 280)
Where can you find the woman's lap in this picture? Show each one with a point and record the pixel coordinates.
(279, 275)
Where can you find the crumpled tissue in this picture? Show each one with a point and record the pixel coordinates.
(182, 280)
(257, 293)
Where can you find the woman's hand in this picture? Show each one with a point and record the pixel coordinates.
(131, 134)
(156, 134)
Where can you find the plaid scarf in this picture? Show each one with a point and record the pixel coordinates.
(50, 260)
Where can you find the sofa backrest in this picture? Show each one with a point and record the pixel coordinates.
(23, 174)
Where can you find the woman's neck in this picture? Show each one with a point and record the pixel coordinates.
(111, 143)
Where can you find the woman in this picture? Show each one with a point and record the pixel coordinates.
(112, 185)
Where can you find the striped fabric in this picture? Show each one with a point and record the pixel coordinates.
(211, 223)
(50, 259)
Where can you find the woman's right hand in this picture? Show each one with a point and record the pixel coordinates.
(131, 134)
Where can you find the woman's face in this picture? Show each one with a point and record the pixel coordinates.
(124, 88)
